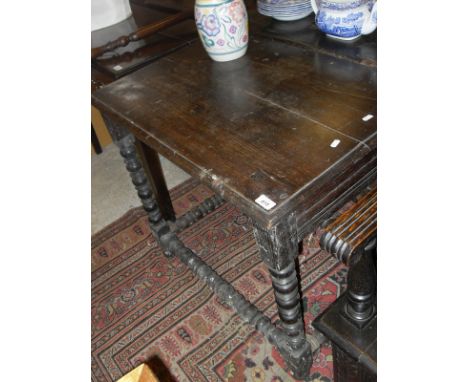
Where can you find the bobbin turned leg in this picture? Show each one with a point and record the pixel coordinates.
(172, 245)
(279, 249)
(149, 159)
(128, 151)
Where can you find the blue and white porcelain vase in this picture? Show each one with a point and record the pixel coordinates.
(345, 19)
(223, 28)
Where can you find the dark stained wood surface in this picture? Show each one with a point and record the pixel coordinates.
(150, 160)
(305, 33)
(141, 33)
(358, 347)
(136, 54)
(344, 235)
(262, 124)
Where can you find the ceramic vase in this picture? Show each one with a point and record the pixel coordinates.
(223, 28)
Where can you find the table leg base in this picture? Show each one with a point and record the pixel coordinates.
(298, 359)
(298, 356)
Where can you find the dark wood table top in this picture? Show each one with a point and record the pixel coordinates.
(265, 124)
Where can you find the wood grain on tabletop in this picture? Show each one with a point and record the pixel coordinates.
(262, 124)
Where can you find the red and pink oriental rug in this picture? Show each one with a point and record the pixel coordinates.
(146, 308)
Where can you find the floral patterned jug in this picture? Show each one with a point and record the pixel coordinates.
(223, 28)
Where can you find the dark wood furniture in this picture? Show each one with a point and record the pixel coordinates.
(287, 133)
(143, 45)
(345, 235)
(141, 33)
(160, 28)
(351, 322)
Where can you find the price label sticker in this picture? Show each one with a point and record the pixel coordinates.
(335, 143)
(265, 202)
(367, 117)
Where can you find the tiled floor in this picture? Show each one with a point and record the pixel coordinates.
(112, 192)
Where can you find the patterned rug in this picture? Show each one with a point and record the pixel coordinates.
(146, 308)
